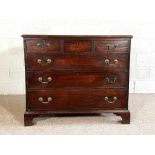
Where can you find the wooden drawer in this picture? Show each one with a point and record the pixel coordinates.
(77, 46)
(42, 46)
(63, 62)
(103, 46)
(47, 80)
(77, 99)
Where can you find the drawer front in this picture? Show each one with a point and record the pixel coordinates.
(47, 80)
(77, 46)
(42, 46)
(77, 99)
(107, 61)
(103, 46)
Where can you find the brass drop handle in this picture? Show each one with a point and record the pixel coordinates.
(48, 61)
(111, 80)
(40, 79)
(110, 99)
(107, 61)
(39, 61)
(112, 46)
(41, 99)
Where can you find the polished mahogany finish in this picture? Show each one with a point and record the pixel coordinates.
(77, 46)
(80, 62)
(76, 75)
(41, 46)
(67, 79)
(74, 100)
(111, 46)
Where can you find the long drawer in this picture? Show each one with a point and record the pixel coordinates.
(76, 99)
(64, 62)
(59, 79)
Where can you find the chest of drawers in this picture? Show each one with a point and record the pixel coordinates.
(76, 75)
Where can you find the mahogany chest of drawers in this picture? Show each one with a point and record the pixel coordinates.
(76, 75)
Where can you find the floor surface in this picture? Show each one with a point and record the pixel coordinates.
(141, 106)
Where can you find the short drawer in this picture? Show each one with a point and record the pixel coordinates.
(77, 46)
(47, 80)
(103, 46)
(42, 46)
(63, 62)
(77, 99)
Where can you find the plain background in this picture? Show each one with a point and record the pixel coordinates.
(135, 17)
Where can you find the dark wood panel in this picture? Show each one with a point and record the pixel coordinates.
(52, 45)
(103, 46)
(35, 45)
(42, 46)
(47, 80)
(77, 46)
(107, 61)
(77, 99)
